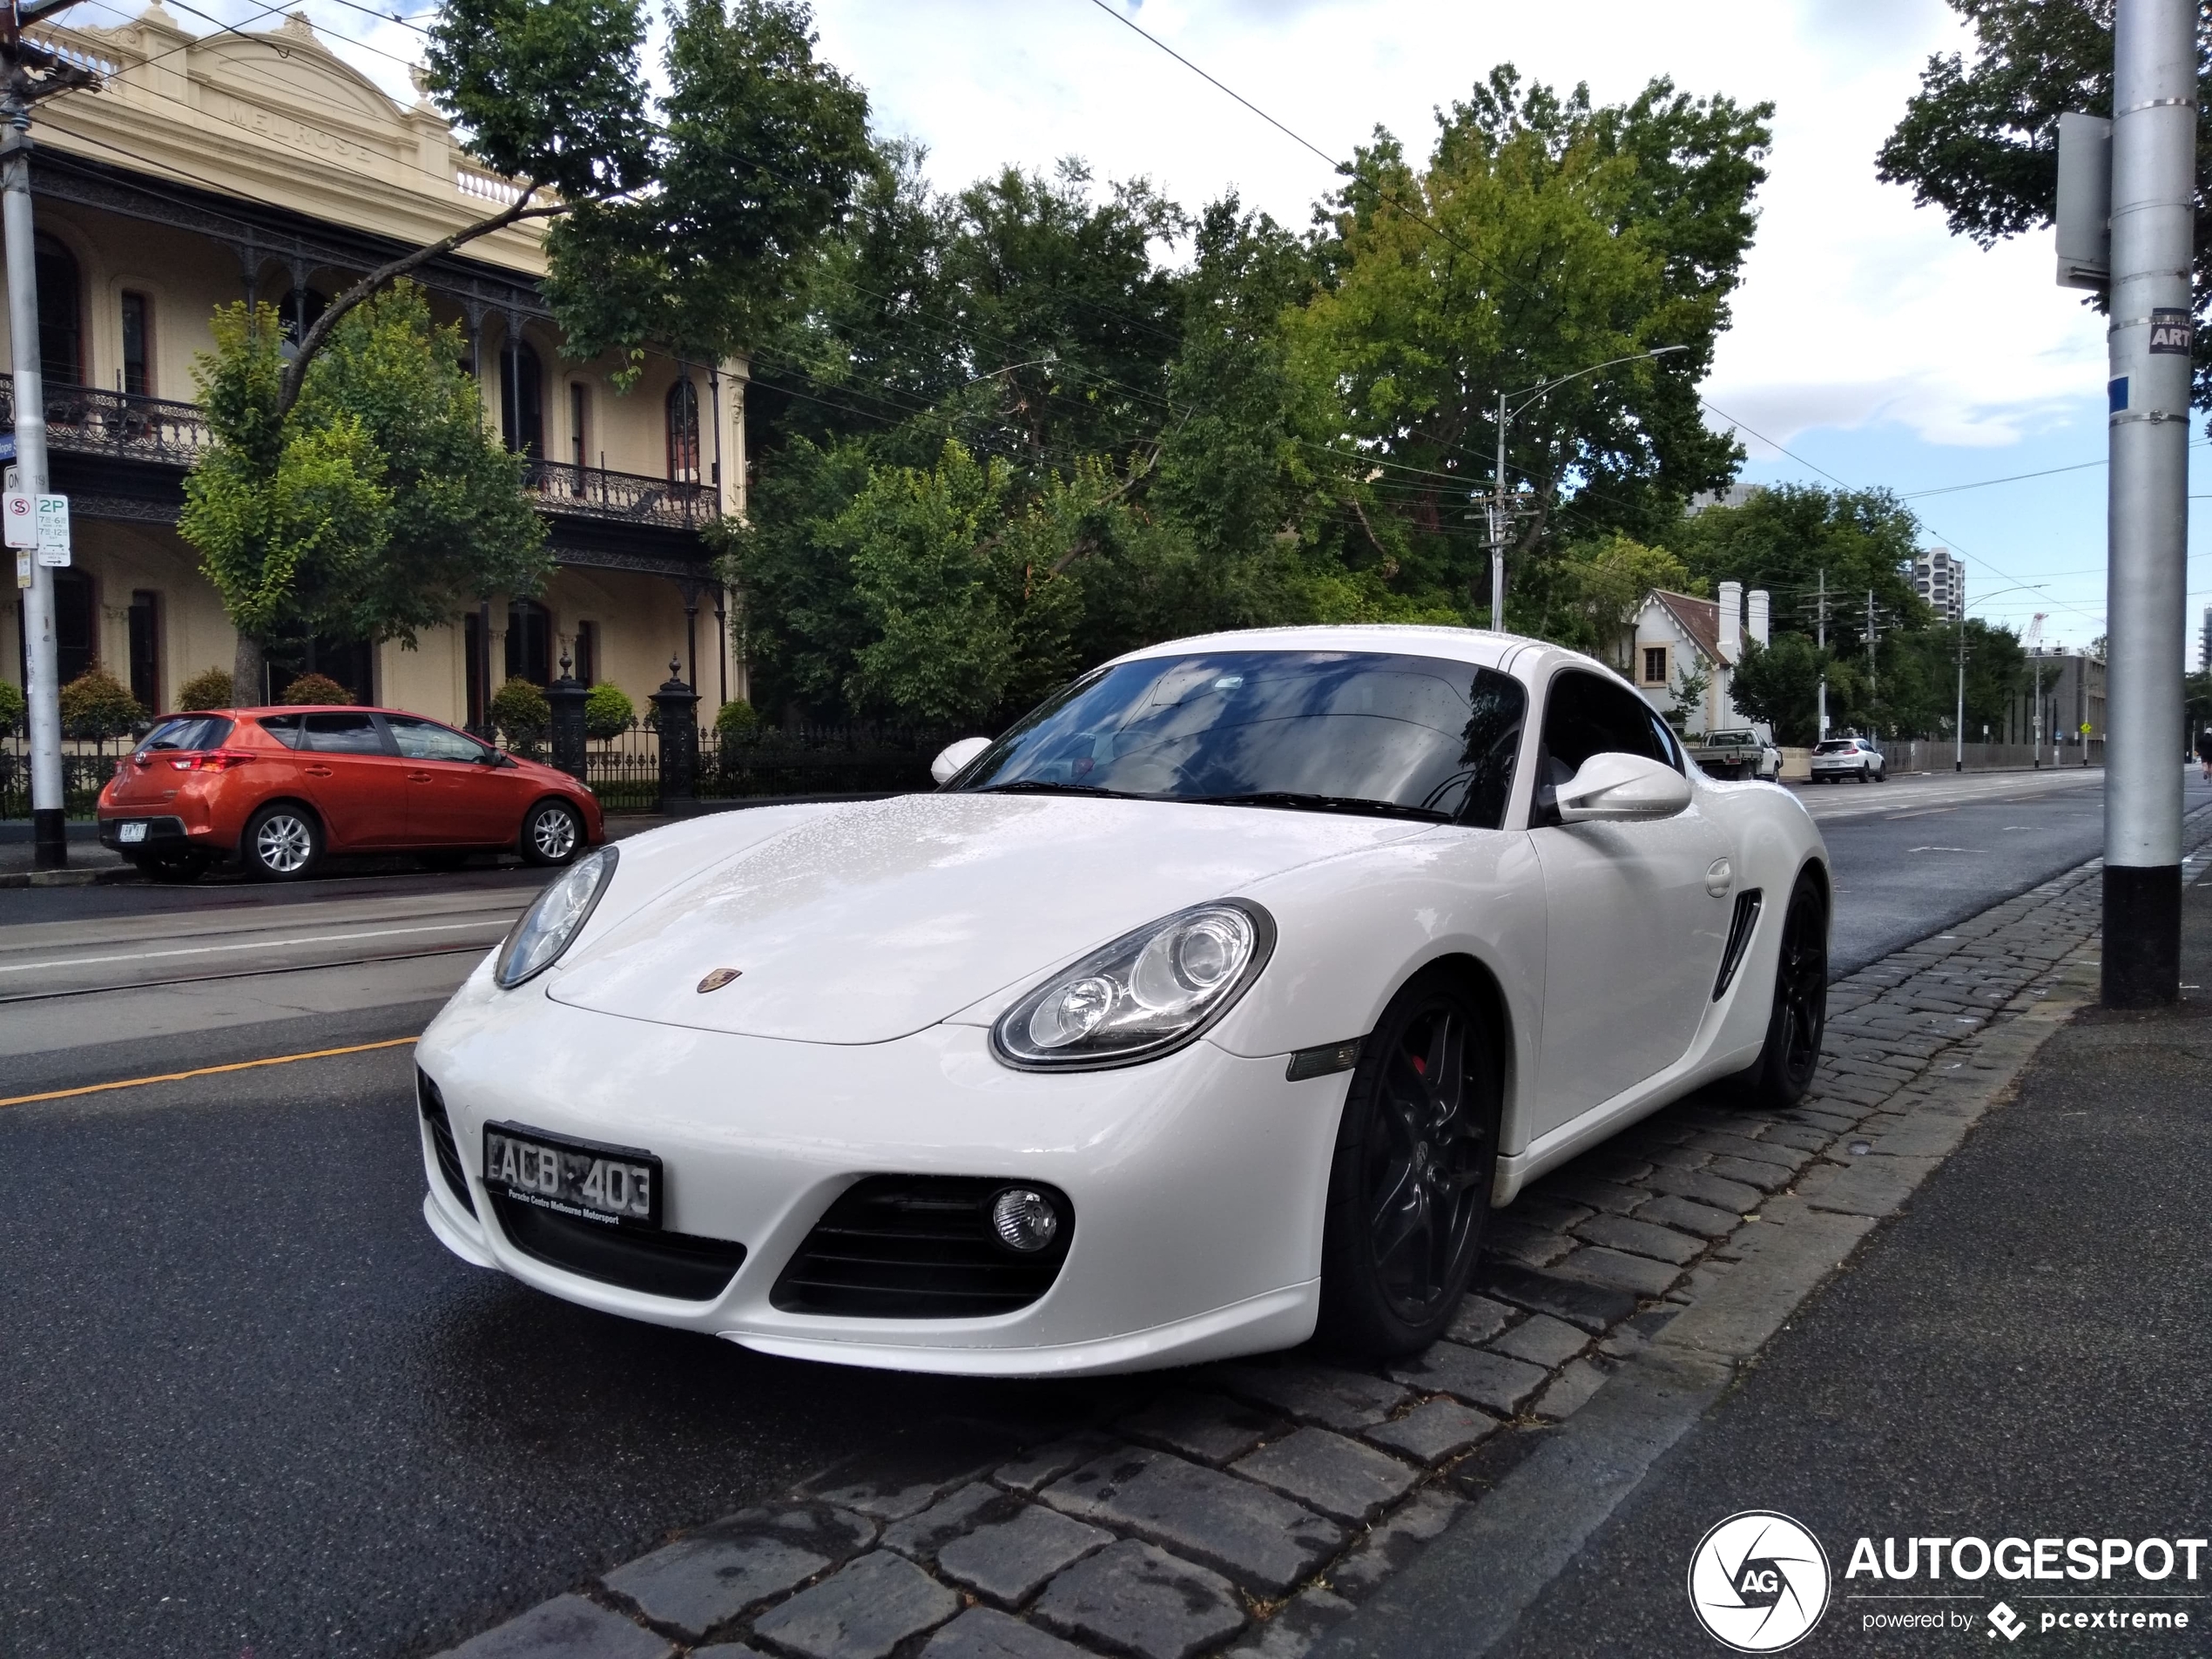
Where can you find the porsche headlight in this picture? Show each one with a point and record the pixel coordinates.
(1146, 994)
(545, 930)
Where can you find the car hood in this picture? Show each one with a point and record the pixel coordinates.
(879, 919)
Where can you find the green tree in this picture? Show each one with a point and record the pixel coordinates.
(678, 199)
(1980, 138)
(378, 505)
(1778, 685)
(964, 614)
(1795, 539)
(1599, 586)
(1544, 236)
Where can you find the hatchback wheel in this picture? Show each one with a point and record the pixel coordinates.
(1409, 1190)
(552, 834)
(282, 843)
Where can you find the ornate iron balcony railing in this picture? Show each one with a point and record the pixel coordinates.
(86, 421)
(622, 497)
(83, 420)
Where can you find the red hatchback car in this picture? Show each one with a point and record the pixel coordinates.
(277, 788)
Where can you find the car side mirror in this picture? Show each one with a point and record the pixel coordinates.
(1613, 788)
(956, 755)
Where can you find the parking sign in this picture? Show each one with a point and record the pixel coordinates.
(20, 513)
(53, 531)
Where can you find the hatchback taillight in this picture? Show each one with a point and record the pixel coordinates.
(213, 760)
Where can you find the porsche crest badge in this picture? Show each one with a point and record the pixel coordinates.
(718, 978)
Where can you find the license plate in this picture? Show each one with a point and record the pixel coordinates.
(619, 1185)
(131, 833)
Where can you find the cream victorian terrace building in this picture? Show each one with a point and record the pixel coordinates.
(210, 168)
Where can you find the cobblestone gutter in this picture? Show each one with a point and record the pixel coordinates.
(1244, 1508)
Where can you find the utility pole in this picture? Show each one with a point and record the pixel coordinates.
(1873, 678)
(1498, 525)
(2154, 203)
(1958, 724)
(33, 71)
(1820, 632)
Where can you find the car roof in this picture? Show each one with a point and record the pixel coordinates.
(291, 708)
(1517, 654)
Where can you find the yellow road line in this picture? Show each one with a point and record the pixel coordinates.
(207, 1071)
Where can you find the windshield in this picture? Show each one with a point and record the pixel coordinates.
(1351, 732)
(189, 732)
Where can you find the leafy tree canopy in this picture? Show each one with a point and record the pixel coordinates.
(1794, 539)
(376, 506)
(1980, 138)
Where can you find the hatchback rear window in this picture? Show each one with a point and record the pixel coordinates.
(1837, 746)
(193, 732)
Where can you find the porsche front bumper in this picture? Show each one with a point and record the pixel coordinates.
(1196, 1181)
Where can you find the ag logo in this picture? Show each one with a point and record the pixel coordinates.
(1758, 1581)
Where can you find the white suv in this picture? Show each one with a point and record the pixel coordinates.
(1842, 758)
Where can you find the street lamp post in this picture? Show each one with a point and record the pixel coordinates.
(1498, 516)
(1958, 725)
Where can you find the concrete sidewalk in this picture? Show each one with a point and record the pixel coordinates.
(2025, 1351)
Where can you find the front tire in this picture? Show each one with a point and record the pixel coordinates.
(552, 834)
(282, 843)
(1409, 1188)
(1779, 1077)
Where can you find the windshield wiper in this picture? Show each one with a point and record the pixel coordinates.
(1322, 804)
(1041, 786)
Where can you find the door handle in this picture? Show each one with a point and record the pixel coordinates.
(418, 777)
(319, 771)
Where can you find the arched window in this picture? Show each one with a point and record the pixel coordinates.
(529, 643)
(522, 399)
(61, 314)
(684, 432)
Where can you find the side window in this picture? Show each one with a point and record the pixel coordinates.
(426, 740)
(343, 734)
(1584, 715)
(285, 728)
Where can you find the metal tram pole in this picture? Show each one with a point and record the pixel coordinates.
(2154, 197)
(50, 846)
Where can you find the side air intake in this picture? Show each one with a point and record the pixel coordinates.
(1739, 940)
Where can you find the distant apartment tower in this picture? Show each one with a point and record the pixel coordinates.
(2204, 643)
(1939, 578)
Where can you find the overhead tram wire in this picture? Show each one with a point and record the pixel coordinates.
(1986, 564)
(1436, 230)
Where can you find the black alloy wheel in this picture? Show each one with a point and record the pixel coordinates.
(283, 842)
(1409, 1189)
(1783, 1071)
(552, 834)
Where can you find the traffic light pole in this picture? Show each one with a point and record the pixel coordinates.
(2154, 195)
(50, 846)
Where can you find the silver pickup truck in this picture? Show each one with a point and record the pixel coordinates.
(1737, 756)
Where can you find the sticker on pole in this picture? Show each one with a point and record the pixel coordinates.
(20, 513)
(53, 531)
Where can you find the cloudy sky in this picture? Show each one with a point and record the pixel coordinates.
(1869, 344)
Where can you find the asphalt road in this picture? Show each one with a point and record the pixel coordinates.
(2027, 1352)
(248, 1403)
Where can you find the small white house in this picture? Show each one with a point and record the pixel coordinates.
(1678, 639)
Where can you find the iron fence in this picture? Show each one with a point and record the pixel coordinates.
(623, 498)
(805, 759)
(85, 420)
(86, 767)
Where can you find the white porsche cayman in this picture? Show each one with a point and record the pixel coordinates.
(1222, 998)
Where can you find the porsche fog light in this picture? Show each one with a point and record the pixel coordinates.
(554, 920)
(1024, 1220)
(1145, 995)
